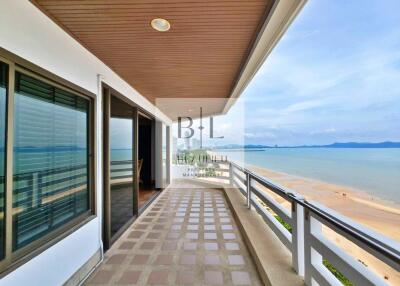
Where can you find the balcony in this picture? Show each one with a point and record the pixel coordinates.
(70, 206)
(222, 234)
(188, 236)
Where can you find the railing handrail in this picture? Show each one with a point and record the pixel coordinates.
(64, 169)
(54, 182)
(51, 171)
(388, 251)
(267, 183)
(383, 248)
(120, 162)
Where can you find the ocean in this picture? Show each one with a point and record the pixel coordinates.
(121, 154)
(372, 170)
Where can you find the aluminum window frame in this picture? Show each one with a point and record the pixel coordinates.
(14, 259)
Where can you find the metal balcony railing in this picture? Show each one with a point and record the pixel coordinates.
(121, 170)
(38, 188)
(303, 235)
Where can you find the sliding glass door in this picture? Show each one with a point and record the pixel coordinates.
(121, 183)
(120, 166)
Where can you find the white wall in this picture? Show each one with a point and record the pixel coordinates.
(28, 33)
(59, 262)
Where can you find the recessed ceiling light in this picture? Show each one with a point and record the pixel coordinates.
(160, 24)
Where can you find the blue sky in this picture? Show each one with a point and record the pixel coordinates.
(333, 77)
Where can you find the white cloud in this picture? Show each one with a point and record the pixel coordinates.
(302, 106)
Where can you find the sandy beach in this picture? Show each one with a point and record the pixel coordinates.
(379, 215)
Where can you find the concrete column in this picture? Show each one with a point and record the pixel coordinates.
(311, 225)
(158, 155)
(298, 238)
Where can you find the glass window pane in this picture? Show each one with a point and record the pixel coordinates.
(51, 175)
(3, 102)
(121, 146)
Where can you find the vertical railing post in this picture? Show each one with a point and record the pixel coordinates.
(298, 237)
(248, 183)
(40, 189)
(311, 226)
(35, 189)
(230, 174)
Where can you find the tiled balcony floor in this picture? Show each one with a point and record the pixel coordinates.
(187, 237)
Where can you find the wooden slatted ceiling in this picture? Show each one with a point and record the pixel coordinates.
(200, 57)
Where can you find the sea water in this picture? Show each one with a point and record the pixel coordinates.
(373, 170)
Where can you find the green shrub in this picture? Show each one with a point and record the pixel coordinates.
(284, 223)
(343, 279)
(337, 273)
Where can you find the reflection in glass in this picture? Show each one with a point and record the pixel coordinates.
(50, 159)
(121, 145)
(3, 102)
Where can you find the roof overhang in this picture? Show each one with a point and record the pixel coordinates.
(281, 16)
(213, 49)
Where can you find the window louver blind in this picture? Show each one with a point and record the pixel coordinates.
(3, 102)
(51, 170)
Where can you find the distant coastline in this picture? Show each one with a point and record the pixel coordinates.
(373, 170)
(386, 144)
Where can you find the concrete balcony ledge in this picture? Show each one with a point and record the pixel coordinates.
(272, 259)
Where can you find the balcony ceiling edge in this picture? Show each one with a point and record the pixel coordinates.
(236, 38)
(281, 16)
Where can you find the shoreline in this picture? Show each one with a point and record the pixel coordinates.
(358, 195)
(378, 214)
(375, 213)
(371, 171)
(361, 207)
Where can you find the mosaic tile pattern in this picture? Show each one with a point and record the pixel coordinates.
(186, 237)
